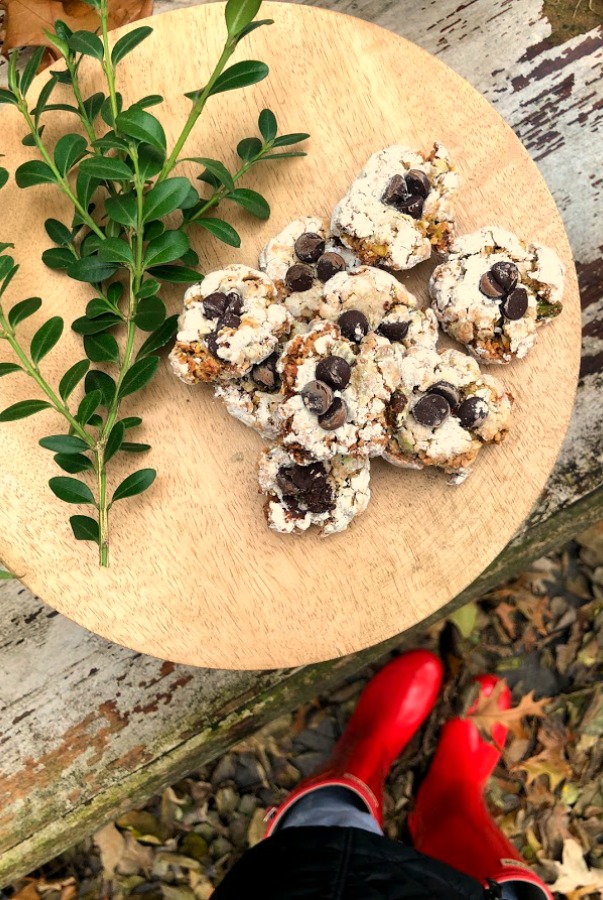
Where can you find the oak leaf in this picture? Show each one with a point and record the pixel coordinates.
(573, 873)
(26, 20)
(487, 712)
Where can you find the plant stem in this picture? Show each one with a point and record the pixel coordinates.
(221, 192)
(33, 371)
(108, 67)
(198, 107)
(61, 181)
(103, 510)
(113, 411)
(75, 83)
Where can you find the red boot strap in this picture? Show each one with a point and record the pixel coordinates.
(515, 870)
(351, 782)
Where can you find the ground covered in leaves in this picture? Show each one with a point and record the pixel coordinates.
(543, 632)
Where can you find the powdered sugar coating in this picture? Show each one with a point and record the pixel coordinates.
(264, 321)
(253, 407)
(349, 480)
(381, 298)
(277, 257)
(375, 374)
(476, 320)
(449, 446)
(381, 235)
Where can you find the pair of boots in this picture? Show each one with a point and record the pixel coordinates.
(450, 821)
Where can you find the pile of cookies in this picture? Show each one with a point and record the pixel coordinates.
(326, 354)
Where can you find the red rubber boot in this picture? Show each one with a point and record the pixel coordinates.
(392, 707)
(450, 821)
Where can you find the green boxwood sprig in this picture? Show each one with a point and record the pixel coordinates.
(118, 175)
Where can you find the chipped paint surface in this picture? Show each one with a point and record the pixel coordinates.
(86, 726)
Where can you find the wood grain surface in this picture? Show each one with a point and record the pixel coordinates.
(195, 576)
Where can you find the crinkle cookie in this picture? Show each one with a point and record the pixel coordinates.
(443, 411)
(335, 394)
(369, 299)
(399, 208)
(299, 260)
(231, 322)
(327, 494)
(494, 291)
(254, 400)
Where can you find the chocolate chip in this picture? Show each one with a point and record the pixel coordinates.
(490, 287)
(335, 371)
(330, 264)
(317, 397)
(417, 182)
(472, 412)
(354, 325)
(235, 303)
(309, 246)
(320, 498)
(305, 477)
(515, 305)
(335, 416)
(265, 374)
(212, 344)
(394, 331)
(396, 191)
(395, 409)
(228, 320)
(299, 277)
(412, 207)
(506, 273)
(215, 305)
(431, 410)
(447, 391)
(284, 482)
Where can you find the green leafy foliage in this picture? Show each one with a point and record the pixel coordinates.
(239, 13)
(139, 375)
(251, 201)
(122, 190)
(142, 126)
(63, 443)
(240, 75)
(85, 529)
(70, 490)
(222, 230)
(34, 172)
(23, 310)
(72, 378)
(128, 42)
(68, 151)
(135, 484)
(22, 409)
(73, 463)
(45, 338)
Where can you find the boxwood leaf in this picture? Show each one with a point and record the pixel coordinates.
(45, 338)
(22, 409)
(72, 378)
(70, 490)
(85, 529)
(135, 484)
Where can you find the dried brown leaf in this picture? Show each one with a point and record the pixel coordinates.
(487, 714)
(26, 20)
(573, 873)
(505, 611)
(111, 844)
(29, 892)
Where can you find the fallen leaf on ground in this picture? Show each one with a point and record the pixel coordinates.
(505, 611)
(551, 760)
(26, 20)
(29, 892)
(111, 844)
(572, 871)
(487, 714)
(257, 827)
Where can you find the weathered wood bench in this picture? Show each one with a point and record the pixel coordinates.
(88, 728)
